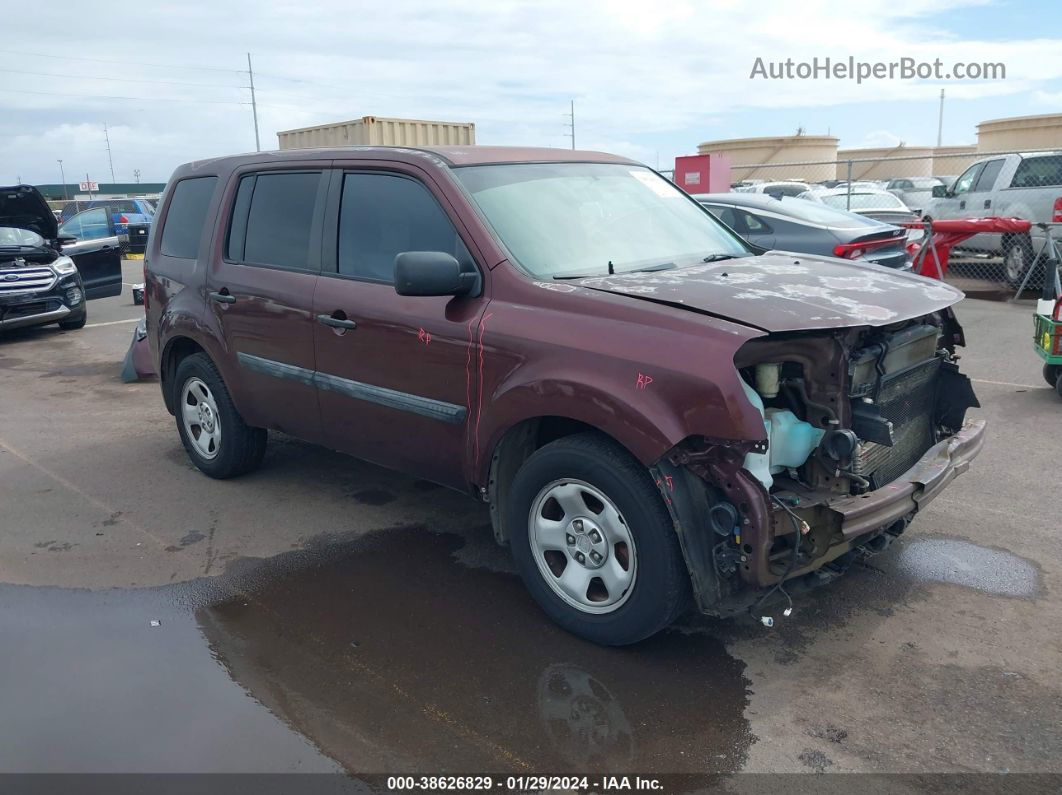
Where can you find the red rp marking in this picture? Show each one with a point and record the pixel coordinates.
(670, 482)
(642, 381)
(424, 336)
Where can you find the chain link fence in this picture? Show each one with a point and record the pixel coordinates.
(939, 194)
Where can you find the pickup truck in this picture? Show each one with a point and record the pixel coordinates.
(1027, 186)
(657, 415)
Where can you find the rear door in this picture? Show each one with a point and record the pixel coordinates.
(394, 372)
(261, 290)
(96, 252)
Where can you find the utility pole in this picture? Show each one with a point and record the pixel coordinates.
(88, 181)
(62, 176)
(110, 162)
(571, 125)
(254, 106)
(940, 120)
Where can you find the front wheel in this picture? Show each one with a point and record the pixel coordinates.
(214, 434)
(74, 323)
(594, 543)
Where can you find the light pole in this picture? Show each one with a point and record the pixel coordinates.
(62, 176)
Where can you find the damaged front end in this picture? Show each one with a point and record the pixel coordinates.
(863, 426)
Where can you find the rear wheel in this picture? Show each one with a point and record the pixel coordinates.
(594, 542)
(1017, 259)
(214, 434)
(1058, 384)
(1051, 373)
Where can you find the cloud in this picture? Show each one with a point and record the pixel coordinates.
(638, 71)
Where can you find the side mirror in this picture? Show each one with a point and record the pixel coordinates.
(433, 273)
(939, 191)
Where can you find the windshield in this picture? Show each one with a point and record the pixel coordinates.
(864, 201)
(562, 219)
(825, 215)
(12, 236)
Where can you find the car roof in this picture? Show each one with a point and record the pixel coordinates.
(761, 200)
(445, 155)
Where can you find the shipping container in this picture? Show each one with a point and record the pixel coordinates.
(378, 131)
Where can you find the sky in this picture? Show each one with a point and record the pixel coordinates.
(650, 80)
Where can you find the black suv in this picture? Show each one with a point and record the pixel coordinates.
(38, 283)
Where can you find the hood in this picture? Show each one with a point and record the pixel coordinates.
(23, 207)
(779, 292)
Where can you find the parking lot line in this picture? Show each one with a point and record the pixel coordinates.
(112, 323)
(1006, 383)
(117, 515)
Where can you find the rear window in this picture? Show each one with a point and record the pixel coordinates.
(820, 214)
(185, 217)
(1038, 172)
(864, 201)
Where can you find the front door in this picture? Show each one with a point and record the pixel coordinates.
(96, 252)
(261, 289)
(395, 373)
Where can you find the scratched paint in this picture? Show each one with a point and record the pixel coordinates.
(850, 293)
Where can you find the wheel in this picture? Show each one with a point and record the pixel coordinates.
(1058, 384)
(217, 439)
(594, 542)
(1051, 374)
(74, 323)
(1017, 259)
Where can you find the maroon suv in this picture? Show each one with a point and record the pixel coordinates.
(654, 414)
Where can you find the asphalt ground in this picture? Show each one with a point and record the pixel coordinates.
(323, 614)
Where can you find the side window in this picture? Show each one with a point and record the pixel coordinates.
(280, 219)
(988, 176)
(88, 225)
(185, 217)
(1038, 172)
(724, 214)
(755, 225)
(383, 215)
(964, 183)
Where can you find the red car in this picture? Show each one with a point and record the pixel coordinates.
(656, 416)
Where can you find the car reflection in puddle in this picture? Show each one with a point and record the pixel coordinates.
(389, 655)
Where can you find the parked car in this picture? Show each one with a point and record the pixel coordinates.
(46, 273)
(782, 188)
(870, 202)
(1027, 186)
(795, 225)
(914, 192)
(654, 414)
(123, 211)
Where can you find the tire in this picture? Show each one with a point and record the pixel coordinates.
(73, 324)
(1058, 385)
(1017, 259)
(608, 492)
(216, 438)
(1051, 374)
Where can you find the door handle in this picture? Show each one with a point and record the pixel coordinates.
(962, 204)
(988, 203)
(223, 297)
(336, 322)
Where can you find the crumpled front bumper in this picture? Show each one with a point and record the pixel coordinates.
(910, 492)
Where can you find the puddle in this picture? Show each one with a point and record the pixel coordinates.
(383, 654)
(958, 562)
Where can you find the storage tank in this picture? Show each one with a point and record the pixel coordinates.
(380, 131)
(1020, 133)
(950, 161)
(802, 157)
(881, 164)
